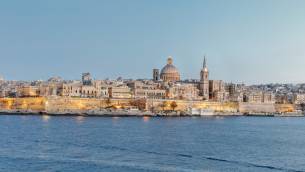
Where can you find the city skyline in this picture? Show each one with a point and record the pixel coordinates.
(110, 39)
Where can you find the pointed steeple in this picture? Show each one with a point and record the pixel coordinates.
(204, 62)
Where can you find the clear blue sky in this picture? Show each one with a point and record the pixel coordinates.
(251, 41)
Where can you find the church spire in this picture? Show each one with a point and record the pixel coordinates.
(204, 62)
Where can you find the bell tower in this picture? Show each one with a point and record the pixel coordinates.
(204, 81)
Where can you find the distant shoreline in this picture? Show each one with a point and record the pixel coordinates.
(118, 114)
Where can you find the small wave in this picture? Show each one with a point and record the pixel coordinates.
(184, 155)
(128, 165)
(247, 164)
(241, 163)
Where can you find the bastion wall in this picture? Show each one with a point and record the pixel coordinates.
(80, 105)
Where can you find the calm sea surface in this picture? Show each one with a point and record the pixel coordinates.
(77, 144)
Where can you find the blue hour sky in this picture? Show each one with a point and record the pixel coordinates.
(259, 41)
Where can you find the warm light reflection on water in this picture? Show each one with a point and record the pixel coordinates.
(146, 118)
(46, 118)
(115, 118)
(220, 117)
(80, 119)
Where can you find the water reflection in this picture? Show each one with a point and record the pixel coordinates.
(45, 118)
(80, 119)
(220, 117)
(146, 118)
(115, 118)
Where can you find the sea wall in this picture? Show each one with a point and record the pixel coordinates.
(284, 108)
(257, 108)
(23, 104)
(183, 105)
(81, 105)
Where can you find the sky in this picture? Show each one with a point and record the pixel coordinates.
(245, 41)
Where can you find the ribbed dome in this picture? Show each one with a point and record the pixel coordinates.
(169, 69)
(170, 72)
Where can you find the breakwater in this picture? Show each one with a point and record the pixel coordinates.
(68, 105)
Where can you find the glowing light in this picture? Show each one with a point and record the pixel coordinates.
(80, 119)
(46, 118)
(115, 117)
(146, 118)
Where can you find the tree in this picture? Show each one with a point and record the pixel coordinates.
(108, 102)
(139, 103)
(163, 105)
(173, 105)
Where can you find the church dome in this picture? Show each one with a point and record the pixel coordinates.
(170, 72)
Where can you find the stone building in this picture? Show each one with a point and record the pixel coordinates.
(28, 91)
(268, 97)
(299, 98)
(77, 89)
(151, 90)
(156, 75)
(183, 91)
(50, 89)
(119, 92)
(235, 92)
(253, 97)
(217, 91)
(72, 89)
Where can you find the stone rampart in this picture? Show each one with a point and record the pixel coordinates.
(81, 105)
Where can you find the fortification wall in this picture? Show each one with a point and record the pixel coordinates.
(184, 105)
(80, 105)
(256, 108)
(284, 108)
(23, 104)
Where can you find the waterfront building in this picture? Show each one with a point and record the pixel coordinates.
(204, 81)
(268, 97)
(235, 92)
(119, 92)
(253, 97)
(89, 91)
(217, 91)
(102, 88)
(50, 89)
(183, 91)
(170, 73)
(77, 89)
(281, 99)
(147, 89)
(299, 98)
(236, 97)
(72, 89)
(28, 91)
